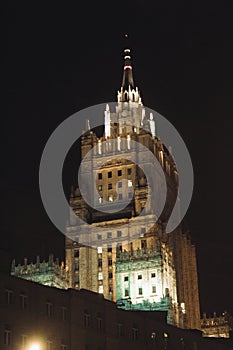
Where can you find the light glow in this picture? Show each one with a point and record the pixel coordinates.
(34, 346)
(127, 67)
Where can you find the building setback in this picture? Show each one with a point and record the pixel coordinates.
(58, 319)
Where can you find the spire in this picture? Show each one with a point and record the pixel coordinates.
(127, 80)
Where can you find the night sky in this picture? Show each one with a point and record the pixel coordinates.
(60, 59)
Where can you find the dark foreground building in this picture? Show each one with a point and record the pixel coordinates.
(57, 319)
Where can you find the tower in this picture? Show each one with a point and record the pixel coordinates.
(132, 261)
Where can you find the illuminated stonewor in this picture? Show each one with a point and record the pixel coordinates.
(102, 269)
(49, 273)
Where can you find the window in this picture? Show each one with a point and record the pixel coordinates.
(126, 293)
(99, 249)
(100, 187)
(126, 278)
(110, 275)
(110, 198)
(49, 345)
(153, 289)
(9, 296)
(86, 319)
(135, 333)
(49, 309)
(153, 275)
(119, 234)
(109, 262)
(143, 244)
(130, 195)
(76, 253)
(109, 186)
(23, 301)
(119, 184)
(130, 184)
(166, 292)
(100, 200)
(109, 234)
(140, 291)
(100, 176)
(120, 196)
(101, 289)
(99, 237)
(99, 262)
(119, 329)
(143, 230)
(139, 277)
(109, 174)
(64, 313)
(109, 249)
(63, 347)
(129, 171)
(99, 323)
(7, 337)
(119, 172)
(100, 276)
(23, 340)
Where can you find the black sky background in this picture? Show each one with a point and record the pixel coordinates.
(62, 58)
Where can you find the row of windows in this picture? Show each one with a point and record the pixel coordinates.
(126, 278)
(140, 291)
(119, 185)
(24, 341)
(120, 197)
(110, 235)
(119, 173)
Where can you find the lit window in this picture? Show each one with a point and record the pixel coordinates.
(100, 276)
(100, 200)
(110, 198)
(99, 249)
(101, 289)
(100, 187)
(109, 174)
(130, 183)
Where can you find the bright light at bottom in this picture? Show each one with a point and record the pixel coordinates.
(35, 346)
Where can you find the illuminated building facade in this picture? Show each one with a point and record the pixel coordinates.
(216, 326)
(128, 244)
(49, 273)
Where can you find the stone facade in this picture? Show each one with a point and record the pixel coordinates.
(216, 326)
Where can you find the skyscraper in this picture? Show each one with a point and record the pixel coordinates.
(131, 259)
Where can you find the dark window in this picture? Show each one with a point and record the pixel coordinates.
(143, 230)
(129, 171)
(99, 324)
(126, 278)
(109, 174)
(109, 249)
(119, 184)
(134, 333)
(109, 186)
(109, 234)
(119, 172)
(109, 262)
(126, 293)
(120, 196)
(130, 195)
(153, 289)
(99, 237)
(119, 234)
(7, 337)
(76, 253)
(9, 296)
(49, 309)
(139, 277)
(23, 301)
(100, 176)
(153, 275)
(166, 292)
(64, 313)
(110, 275)
(140, 291)
(86, 320)
(119, 330)
(99, 262)
(143, 244)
